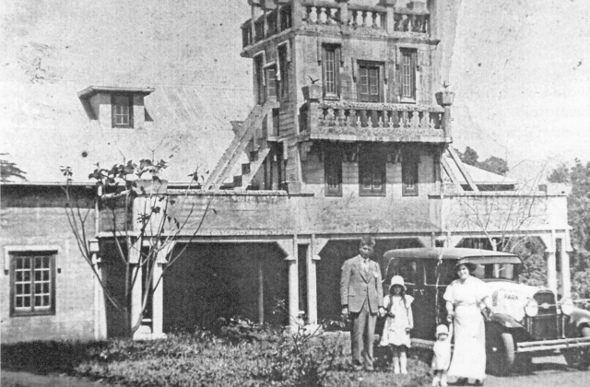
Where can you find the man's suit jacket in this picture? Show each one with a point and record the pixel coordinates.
(356, 286)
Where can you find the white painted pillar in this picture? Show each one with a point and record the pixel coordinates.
(289, 247)
(312, 292)
(100, 323)
(136, 294)
(566, 280)
(158, 301)
(552, 264)
(293, 292)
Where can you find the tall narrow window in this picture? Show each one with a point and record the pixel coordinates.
(283, 72)
(331, 70)
(122, 111)
(372, 171)
(369, 86)
(271, 82)
(259, 79)
(410, 163)
(32, 279)
(408, 75)
(333, 170)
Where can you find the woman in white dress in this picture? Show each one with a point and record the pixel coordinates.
(465, 299)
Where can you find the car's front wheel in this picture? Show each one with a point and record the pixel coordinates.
(579, 357)
(500, 354)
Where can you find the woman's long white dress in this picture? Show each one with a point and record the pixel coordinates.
(469, 354)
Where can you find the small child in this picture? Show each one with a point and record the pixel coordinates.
(398, 323)
(442, 356)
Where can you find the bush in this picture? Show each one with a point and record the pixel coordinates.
(240, 354)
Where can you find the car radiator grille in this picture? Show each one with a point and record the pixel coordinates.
(547, 324)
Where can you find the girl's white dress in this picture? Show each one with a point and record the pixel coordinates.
(394, 330)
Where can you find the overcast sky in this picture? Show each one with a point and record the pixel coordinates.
(521, 71)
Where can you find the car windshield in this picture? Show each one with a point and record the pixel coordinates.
(444, 273)
(506, 271)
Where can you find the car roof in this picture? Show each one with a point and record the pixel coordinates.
(454, 254)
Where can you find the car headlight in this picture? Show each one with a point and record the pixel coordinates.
(567, 306)
(531, 308)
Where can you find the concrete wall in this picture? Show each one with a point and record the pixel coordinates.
(31, 220)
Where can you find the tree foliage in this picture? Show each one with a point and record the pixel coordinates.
(131, 202)
(578, 176)
(492, 164)
(9, 170)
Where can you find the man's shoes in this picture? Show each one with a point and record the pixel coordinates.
(461, 382)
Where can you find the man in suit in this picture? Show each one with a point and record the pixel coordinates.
(361, 296)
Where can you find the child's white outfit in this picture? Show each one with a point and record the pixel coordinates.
(399, 317)
(442, 356)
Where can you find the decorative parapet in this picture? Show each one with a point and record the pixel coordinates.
(354, 121)
(381, 20)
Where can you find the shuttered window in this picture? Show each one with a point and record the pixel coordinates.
(369, 85)
(372, 169)
(408, 74)
(331, 70)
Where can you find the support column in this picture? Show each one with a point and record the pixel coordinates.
(100, 323)
(136, 295)
(566, 280)
(289, 247)
(312, 292)
(552, 264)
(158, 301)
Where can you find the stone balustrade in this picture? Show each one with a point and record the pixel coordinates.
(370, 19)
(367, 121)
(406, 20)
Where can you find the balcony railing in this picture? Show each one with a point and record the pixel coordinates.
(365, 121)
(267, 25)
(361, 18)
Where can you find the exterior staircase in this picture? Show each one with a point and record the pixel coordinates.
(244, 135)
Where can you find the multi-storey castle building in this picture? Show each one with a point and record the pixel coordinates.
(350, 134)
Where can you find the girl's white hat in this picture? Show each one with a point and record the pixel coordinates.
(398, 280)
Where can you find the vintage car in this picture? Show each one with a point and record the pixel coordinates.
(525, 321)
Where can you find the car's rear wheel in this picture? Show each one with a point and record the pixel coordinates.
(500, 354)
(579, 357)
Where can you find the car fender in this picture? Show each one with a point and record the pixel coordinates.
(580, 318)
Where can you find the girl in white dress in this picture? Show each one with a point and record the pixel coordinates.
(398, 323)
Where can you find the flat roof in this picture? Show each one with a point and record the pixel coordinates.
(452, 253)
(91, 90)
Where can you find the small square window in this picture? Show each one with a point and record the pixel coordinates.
(32, 283)
(122, 111)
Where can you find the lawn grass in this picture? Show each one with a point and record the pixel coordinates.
(233, 357)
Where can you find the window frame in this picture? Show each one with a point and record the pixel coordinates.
(408, 74)
(283, 71)
(333, 158)
(114, 114)
(259, 79)
(331, 58)
(372, 159)
(271, 86)
(51, 268)
(377, 68)
(410, 165)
